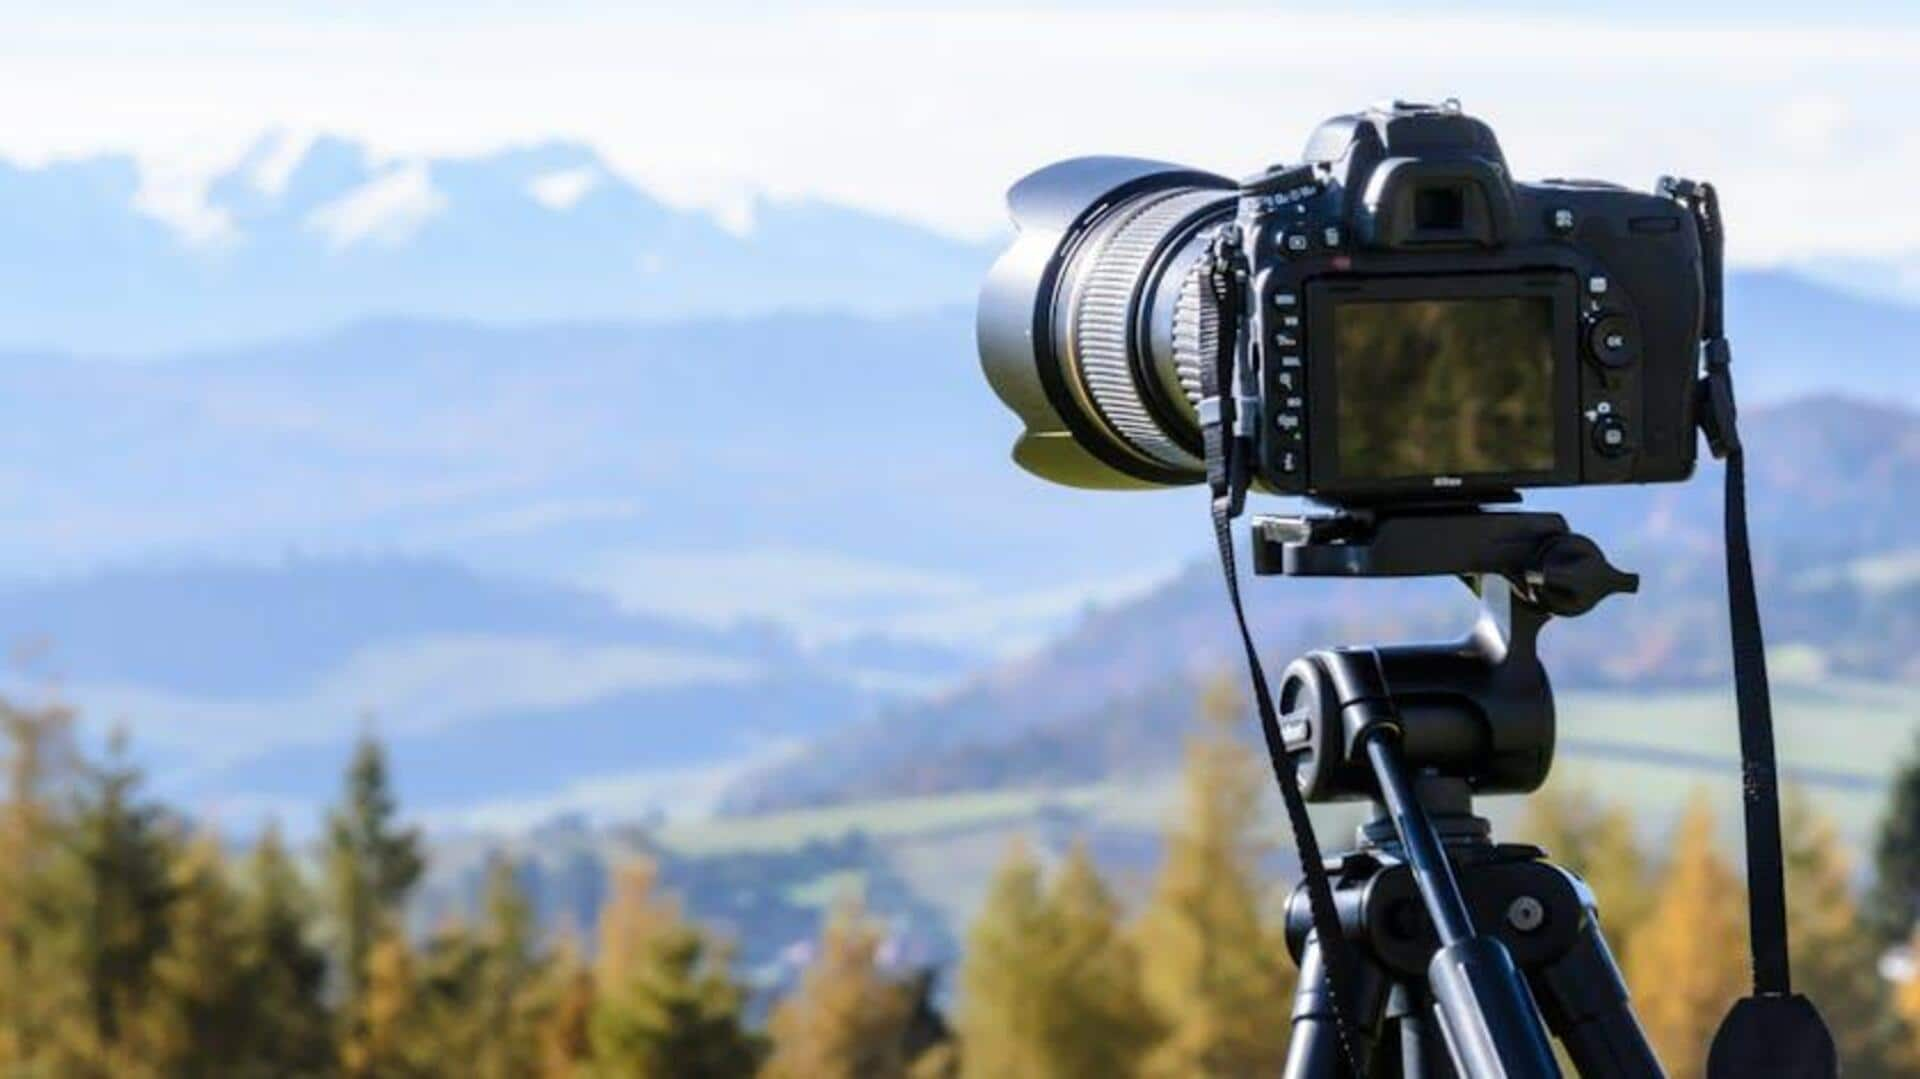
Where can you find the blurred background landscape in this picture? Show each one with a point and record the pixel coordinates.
(607, 443)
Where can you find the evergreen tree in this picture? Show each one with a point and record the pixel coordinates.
(1216, 971)
(382, 1044)
(1597, 841)
(39, 990)
(1103, 1016)
(1835, 957)
(1895, 901)
(1003, 992)
(667, 1004)
(286, 971)
(103, 919)
(564, 996)
(372, 864)
(846, 1020)
(451, 1028)
(202, 1008)
(509, 978)
(1688, 962)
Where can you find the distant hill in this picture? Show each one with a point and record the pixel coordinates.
(1838, 558)
(243, 687)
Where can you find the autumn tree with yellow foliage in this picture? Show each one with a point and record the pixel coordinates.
(1215, 964)
(1687, 963)
(847, 1019)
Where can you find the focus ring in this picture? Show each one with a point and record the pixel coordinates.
(1102, 328)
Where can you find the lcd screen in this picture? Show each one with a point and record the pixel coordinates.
(1444, 387)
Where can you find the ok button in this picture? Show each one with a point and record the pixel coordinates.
(1611, 341)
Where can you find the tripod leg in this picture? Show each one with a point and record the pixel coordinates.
(1586, 1005)
(1423, 1053)
(1313, 1052)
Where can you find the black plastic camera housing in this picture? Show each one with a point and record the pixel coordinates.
(1423, 327)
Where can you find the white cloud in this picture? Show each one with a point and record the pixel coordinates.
(927, 113)
(275, 160)
(561, 190)
(385, 210)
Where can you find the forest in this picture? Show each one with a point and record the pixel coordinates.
(135, 941)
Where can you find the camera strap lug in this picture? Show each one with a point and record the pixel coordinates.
(1775, 1030)
(1228, 412)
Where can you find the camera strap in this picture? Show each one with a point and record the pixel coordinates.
(1226, 415)
(1774, 1031)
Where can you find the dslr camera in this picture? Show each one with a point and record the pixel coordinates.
(1407, 323)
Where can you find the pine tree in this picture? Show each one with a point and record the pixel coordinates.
(103, 917)
(1835, 957)
(667, 1004)
(1004, 993)
(382, 1043)
(846, 1020)
(1215, 970)
(1687, 963)
(372, 864)
(39, 990)
(286, 971)
(1597, 841)
(452, 1020)
(1895, 901)
(564, 996)
(201, 1008)
(509, 977)
(1104, 1019)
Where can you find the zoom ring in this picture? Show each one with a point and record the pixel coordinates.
(1104, 323)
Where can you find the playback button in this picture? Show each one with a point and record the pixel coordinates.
(1610, 436)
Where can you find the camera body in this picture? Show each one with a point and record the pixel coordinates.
(1413, 324)
(1422, 324)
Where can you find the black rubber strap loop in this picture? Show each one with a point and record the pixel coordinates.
(1227, 478)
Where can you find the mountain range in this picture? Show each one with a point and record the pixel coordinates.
(304, 236)
(584, 500)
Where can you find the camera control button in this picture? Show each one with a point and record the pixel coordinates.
(1285, 299)
(1330, 236)
(1562, 220)
(1287, 421)
(1296, 242)
(1289, 462)
(1610, 436)
(1611, 341)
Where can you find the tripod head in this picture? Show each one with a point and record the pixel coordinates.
(1479, 709)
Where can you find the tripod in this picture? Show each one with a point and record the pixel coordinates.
(1464, 952)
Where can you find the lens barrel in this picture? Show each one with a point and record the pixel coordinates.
(1090, 326)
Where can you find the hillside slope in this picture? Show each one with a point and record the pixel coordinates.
(1838, 557)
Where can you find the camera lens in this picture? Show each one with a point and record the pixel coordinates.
(1090, 324)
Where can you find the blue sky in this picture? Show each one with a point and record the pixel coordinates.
(927, 112)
